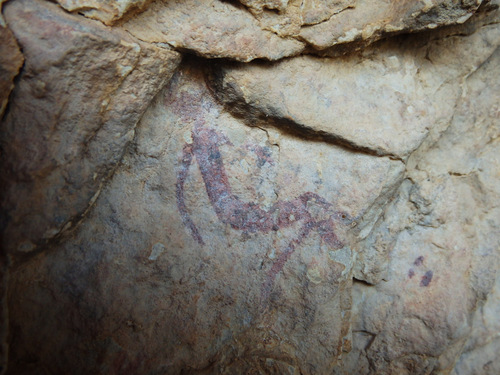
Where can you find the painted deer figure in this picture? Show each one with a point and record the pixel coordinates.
(248, 216)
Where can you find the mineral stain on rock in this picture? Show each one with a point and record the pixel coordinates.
(426, 279)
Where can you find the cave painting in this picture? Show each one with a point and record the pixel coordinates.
(249, 217)
(426, 278)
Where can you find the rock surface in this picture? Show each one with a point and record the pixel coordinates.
(11, 60)
(220, 202)
(345, 99)
(107, 11)
(226, 31)
(443, 262)
(369, 20)
(272, 30)
(333, 214)
(78, 99)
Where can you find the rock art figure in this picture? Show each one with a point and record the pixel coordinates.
(248, 216)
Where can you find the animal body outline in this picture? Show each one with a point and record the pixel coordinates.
(249, 216)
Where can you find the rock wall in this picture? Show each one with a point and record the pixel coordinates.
(252, 187)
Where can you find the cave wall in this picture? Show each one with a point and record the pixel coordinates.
(252, 187)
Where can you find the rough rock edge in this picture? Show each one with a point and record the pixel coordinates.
(4, 313)
(108, 18)
(337, 48)
(74, 222)
(4, 259)
(430, 141)
(19, 56)
(455, 350)
(234, 103)
(415, 25)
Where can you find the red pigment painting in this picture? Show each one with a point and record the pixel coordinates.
(248, 216)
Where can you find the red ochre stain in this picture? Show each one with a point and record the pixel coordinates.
(426, 279)
(248, 216)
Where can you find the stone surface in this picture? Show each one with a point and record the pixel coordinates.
(345, 99)
(272, 30)
(370, 20)
(289, 17)
(323, 24)
(4, 313)
(210, 28)
(221, 203)
(340, 99)
(313, 215)
(11, 61)
(78, 99)
(107, 11)
(372, 260)
(445, 256)
(479, 354)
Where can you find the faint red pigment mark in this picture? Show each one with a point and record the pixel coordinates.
(248, 216)
(419, 261)
(426, 279)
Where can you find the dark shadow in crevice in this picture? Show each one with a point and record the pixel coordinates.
(232, 101)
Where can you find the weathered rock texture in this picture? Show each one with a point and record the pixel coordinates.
(107, 11)
(80, 95)
(11, 61)
(329, 208)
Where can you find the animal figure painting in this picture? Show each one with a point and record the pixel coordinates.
(248, 216)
